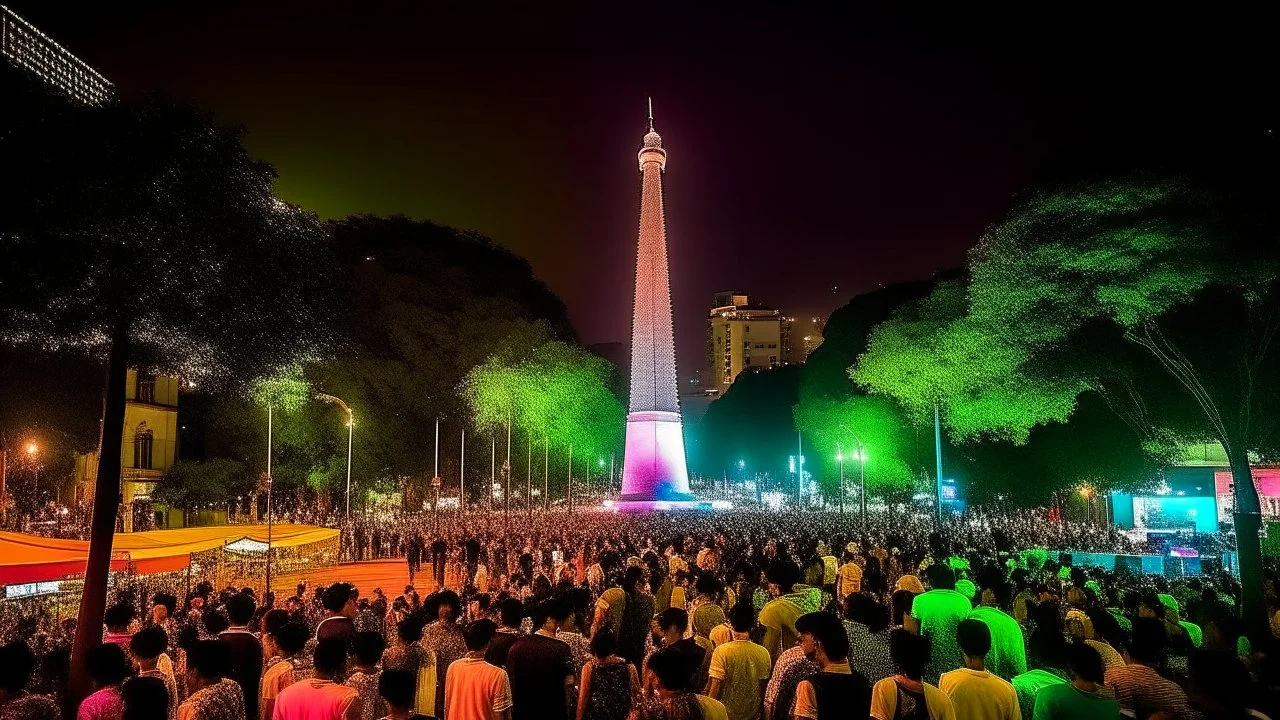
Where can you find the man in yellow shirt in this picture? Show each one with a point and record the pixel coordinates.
(790, 602)
(974, 692)
(848, 577)
(740, 668)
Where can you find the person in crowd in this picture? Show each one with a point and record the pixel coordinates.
(790, 601)
(108, 669)
(213, 694)
(146, 647)
(321, 697)
(936, 614)
(906, 696)
(408, 654)
(740, 668)
(18, 663)
(340, 611)
(669, 635)
(117, 618)
(974, 692)
(367, 653)
(866, 624)
(443, 637)
(674, 699)
(511, 611)
(397, 689)
(475, 689)
(610, 686)
(246, 649)
(780, 693)
(579, 599)
(634, 613)
(285, 645)
(1085, 697)
(540, 667)
(848, 577)
(144, 698)
(1137, 685)
(837, 690)
(1008, 656)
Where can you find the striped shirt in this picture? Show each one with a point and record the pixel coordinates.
(1143, 690)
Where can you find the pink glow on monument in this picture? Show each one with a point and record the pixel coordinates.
(654, 473)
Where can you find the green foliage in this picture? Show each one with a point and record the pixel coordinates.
(286, 390)
(554, 390)
(190, 484)
(750, 422)
(837, 428)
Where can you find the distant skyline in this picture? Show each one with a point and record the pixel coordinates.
(848, 148)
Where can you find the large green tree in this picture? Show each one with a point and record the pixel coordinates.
(145, 235)
(1182, 268)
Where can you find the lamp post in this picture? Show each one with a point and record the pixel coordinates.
(546, 473)
(569, 489)
(840, 459)
(462, 474)
(269, 418)
(862, 476)
(351, 426)
(528, 474)
(33, 450)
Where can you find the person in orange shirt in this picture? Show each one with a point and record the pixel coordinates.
(321, 697)
(474, 689)
(283, 645)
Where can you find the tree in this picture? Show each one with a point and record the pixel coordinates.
(190, 484)
(750, 423)
(868, 432)
(147, 235)
(556, 391)
(1183, 268)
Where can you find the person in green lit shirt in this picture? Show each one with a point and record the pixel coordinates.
(790, 601)
(936, 614)
(1084, 698)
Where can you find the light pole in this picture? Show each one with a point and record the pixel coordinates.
(528, 473)
(351, 427)
(569, 489)
(32, 451)
(840, 459)
(506, 469)
(862, 477)
(546, 473)
(462, 474)
(269, 418)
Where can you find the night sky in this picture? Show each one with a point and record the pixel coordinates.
(809, 149)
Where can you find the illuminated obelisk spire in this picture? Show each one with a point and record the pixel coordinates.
(653, 472)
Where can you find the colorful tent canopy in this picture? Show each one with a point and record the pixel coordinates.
(29, 558)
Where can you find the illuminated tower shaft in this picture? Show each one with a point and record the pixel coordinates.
(653, 472)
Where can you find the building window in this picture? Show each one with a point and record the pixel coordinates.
(146, 388)
(142, 445)
(773, 361)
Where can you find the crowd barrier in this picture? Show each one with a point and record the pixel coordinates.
(1168, 566)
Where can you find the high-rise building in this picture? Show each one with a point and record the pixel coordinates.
(24, 46)
(810, 330)
(741, 336)
(654, 473)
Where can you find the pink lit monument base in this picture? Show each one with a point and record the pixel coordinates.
(654, 476)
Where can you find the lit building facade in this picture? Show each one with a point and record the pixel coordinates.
(740, 337)
(149, 446)
(24, 46)
(654, 472)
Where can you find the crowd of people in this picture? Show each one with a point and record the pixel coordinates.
(741, 616)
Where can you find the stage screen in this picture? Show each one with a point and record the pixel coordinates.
(1169, 512)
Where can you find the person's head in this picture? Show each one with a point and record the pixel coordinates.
(550, 613)
(478, 634)
(340, 599)
(632, 578)
(240, 608)
(367, 648)
(144, 698)
(909, 652)
(291, 638)
(783, 574)
(673, 670)
(448, 606)
(1085, 663)
(107, 665)
(742, 617)
(18, 662)
(604, 643)
(901, 604)
(822, 637)
(147, 644)
(974, 638)
(397, 687)
(118, 617)
(272, 621)
(863, 609)
(512, 612)
(672, 622)
(941, 577)
(215, 621)
(163, 606)
(410, 629)
(208, 661)
(1146, 645)
(1220, 684)
(1151, 607)
(331, 658)
(708, 585)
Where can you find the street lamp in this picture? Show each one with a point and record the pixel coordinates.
(32, 451)
(351, 425)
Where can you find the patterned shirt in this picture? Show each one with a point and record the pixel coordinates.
(869, 652)
(29, 707)
(791, 668)
(372, 705)
(1143, 690)
(221, 701)
(105, 704)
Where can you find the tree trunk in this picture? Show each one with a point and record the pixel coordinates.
(1248, 521)
(106, 499)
